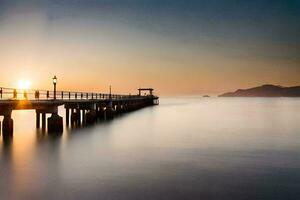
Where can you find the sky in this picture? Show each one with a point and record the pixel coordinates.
(178, 47)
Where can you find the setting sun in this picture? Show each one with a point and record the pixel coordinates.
(24, 84)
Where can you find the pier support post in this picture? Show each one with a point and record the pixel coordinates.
(38, 119)
(43, 121)
(8, 126)
(55, 123)
(74, 116)
(83, 117)
(118, 108)
(125, 107)
(100, 112)
(91, 116)
(78, 116)
(109, 113)
(67, 116)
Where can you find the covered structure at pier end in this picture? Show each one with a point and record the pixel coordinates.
(148, 91)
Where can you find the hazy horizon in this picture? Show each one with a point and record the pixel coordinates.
(177, 47)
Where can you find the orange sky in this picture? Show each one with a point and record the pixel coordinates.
(89, 51)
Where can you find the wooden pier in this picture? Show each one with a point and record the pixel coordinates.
(81, 107)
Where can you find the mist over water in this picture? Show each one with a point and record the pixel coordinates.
(185, 148)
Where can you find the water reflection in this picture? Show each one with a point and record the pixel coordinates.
(186, 148)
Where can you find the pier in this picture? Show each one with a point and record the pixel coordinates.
(81, 107)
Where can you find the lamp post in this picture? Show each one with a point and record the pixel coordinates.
(110, 92)
(54, 84)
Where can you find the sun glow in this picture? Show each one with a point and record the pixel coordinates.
(24, 84)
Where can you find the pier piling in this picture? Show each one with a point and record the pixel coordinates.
(8, 125)
(67, 116)
(37, 119)
(43, 121)
(55, 123)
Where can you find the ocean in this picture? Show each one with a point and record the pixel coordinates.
(185, 148)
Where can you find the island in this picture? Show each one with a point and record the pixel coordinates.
(265, 91)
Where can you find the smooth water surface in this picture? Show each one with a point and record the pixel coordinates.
(185, 148)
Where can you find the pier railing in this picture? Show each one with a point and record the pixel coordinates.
(31, 94)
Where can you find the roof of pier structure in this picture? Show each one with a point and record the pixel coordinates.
(146, 89)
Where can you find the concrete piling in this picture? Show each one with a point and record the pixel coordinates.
(43, 121)
(78, 116)
(100, 112)
(118, 108)
(8, 125)
(91, 117)
(67, 116)
(38, 119)
(109, 113)
(55, 123)
(74, 117)
(83, 117)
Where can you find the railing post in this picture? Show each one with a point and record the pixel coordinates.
(87, 95)
(1, 91)
(15, 94)
(62, 95)
(37, 94)
(92, 95)
(25, 94)
(76, 95)
(69, 95)
(81, 95)
(47, 94)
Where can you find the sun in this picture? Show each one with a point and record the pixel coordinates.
(24, 84)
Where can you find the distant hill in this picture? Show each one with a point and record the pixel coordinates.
(265, 91)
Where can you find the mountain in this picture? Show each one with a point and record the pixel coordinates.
(265, 91)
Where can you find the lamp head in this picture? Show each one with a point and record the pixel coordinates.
(54, 80)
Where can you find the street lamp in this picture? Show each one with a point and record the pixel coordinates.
(54, 84)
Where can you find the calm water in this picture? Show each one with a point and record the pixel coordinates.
(186, 148)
